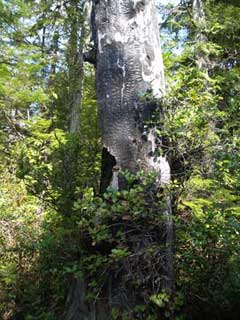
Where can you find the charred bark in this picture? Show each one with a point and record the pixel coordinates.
(128, 65)
(76, 308)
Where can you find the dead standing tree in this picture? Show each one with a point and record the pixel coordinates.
(128, 64)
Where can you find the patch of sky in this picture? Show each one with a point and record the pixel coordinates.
(166, 34)
(166, 2)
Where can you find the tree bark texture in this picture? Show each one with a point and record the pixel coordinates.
(198, 12)
(128, 65)
(75, 65)
(75, 307)
(205, 65)
(128, 62)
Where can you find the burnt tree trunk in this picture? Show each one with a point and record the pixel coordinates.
(128, 65)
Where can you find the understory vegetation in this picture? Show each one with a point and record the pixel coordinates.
(56, 227)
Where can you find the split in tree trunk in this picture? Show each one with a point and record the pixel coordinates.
(128, 63)
(129, 66)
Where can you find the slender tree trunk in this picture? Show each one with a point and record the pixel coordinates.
(76, 307)
(43, 44)
(54, 53)
(204, 65)
(75, 63)
(198, 12)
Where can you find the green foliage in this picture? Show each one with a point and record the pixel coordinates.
(56, 229)
(21, 218)
(49, 157)
(200, 134)
(99, 240)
